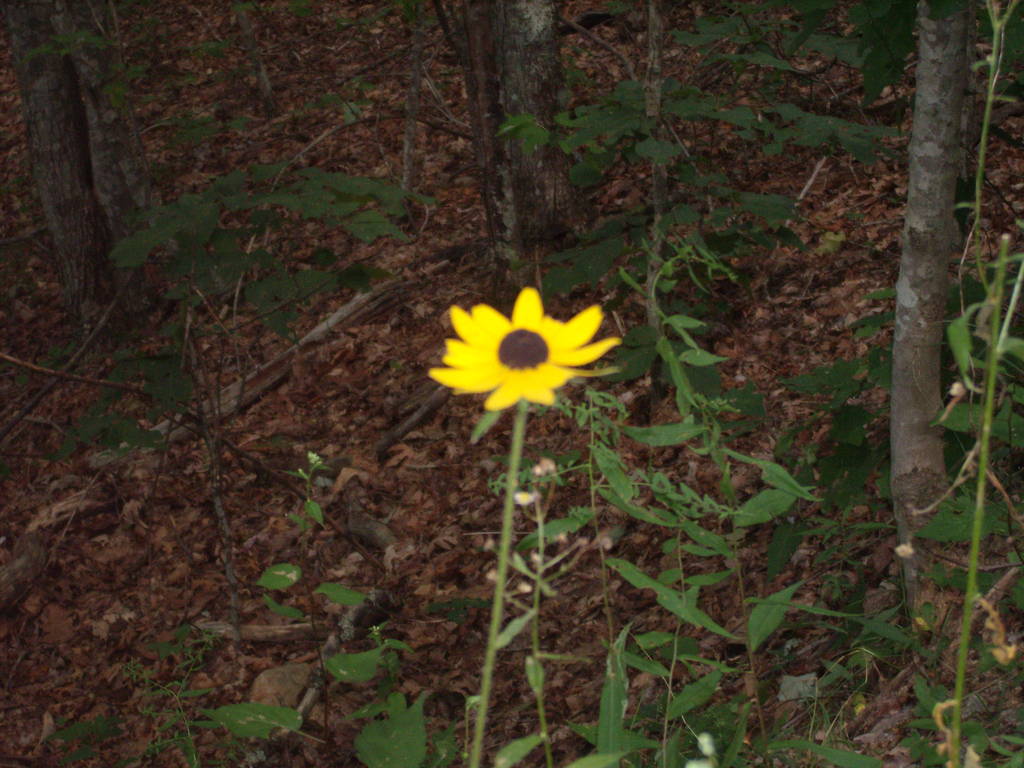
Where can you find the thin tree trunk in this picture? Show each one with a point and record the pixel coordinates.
(544, 203)
(259, 69)
(929, 242)
(513, 68)
(412, 101)
(483, 92)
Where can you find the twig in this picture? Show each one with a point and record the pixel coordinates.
(606, 45)
(71, 376)
(18, 238)
(52, 383)
(437, 398)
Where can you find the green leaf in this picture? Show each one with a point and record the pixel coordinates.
(693, 695)
(488, 420)
(513, 628)
(515, 751)
(526, 129)
(280, 609)
(839, 757)
(959, 336)
(665, 434)
(775, 475)
(600, 760)
(682, 604)
(611, 466)
(613, 697)
(785, 540)
(700, 358)
(254, 721)
(339, 594)
(280, 576)
(766, 505)
(658, 151)
(354, 667)
(768, 614)
(398, 742)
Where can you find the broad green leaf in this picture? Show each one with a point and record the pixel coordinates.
(280, 576)
(657, 150)
(768, 614)
(398, 742)
(354, 667)
(254, 721)
(336, 593)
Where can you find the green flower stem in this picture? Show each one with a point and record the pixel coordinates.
(540, 565)
(497, 608)
(995, 301)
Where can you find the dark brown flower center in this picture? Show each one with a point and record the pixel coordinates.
(522, 349)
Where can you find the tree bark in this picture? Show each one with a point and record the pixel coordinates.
(531, 80)
(512, 68)
(929, 241)
(86, 157)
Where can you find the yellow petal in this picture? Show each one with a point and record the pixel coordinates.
(492, 324)
(542, 396)
(528, 311)
(545, 376)
(461, 355)
(577, 331)
(504, 396)
(583, 355)
(468, 328)
(473, 380)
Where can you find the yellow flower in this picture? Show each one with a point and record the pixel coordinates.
(527, 357)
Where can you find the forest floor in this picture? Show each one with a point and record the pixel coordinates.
(135, 548)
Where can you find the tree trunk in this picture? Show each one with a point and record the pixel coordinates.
(530, 76)
(512, 68)
(86, 158)
(929, 241)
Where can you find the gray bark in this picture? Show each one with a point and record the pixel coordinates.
(86, 157)
(543, 202)
(513, 67)
(929, 242)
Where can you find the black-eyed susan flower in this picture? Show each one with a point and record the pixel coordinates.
(525, 358)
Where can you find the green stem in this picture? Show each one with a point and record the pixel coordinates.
(497, 607)
(988, 411)
(542, 717)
